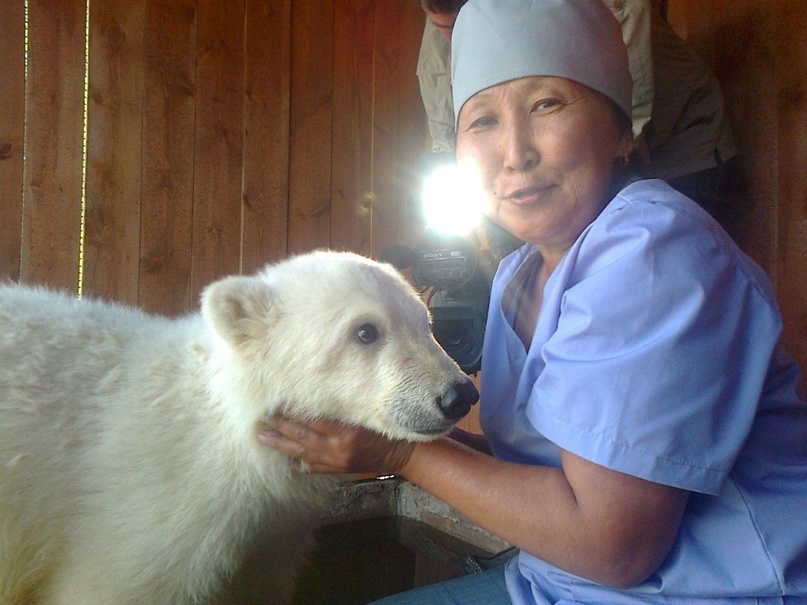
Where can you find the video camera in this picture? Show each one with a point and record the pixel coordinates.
(452, 261)
(459, 295)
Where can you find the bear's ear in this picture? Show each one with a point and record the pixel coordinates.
(240, 309)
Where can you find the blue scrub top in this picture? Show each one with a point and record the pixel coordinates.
(657, 354)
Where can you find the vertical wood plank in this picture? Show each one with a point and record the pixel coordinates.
(218, 142)
(351, 182)
(745, 39)
(310, 124)
(53, 141)
(413, 128)
(114, 150)
(791, 54)
(12, 110)
(399, 125)
(166, 223)
(385, 124)
(266, 132)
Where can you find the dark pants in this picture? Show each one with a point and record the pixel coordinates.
(702, 187)
(710, 188)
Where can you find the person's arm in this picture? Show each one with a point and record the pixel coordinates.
(634, 18)
(609, 527)
(434, 79)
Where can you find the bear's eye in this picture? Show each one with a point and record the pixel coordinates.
(367, 333)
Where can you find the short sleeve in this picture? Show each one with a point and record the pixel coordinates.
(660, 351)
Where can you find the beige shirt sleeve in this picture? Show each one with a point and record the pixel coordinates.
(634, 19)
(434, 77)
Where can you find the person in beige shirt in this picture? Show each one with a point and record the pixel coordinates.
(683, 134)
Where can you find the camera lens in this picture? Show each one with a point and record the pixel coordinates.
(450, 334)
(460, 336)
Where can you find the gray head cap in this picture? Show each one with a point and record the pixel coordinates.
(499, 40)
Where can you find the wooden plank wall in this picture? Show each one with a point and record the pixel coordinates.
(220, 136)
(758, 50)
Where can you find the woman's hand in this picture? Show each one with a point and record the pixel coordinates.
(328, 446)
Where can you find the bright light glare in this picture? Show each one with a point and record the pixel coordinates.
(453, 199)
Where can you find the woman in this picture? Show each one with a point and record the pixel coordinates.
(678, 111)
(648, 442)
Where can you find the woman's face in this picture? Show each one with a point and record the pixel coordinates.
(546, 148)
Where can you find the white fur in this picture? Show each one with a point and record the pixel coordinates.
(130, 471)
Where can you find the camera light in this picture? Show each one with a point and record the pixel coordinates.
(453, 199)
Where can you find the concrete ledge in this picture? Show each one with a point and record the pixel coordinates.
(391, 497)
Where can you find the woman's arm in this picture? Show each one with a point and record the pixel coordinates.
(609, 527)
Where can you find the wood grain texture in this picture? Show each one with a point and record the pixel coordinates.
(791, 96)
(114, 150)
(218, 142)
(310, 123)
(353, 104)
(166, 216)
(12, 110)
(266, 133)
(54, 127)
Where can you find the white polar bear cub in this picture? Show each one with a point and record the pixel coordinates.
(130, 470)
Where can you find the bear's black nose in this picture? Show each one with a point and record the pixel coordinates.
(456, 402)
